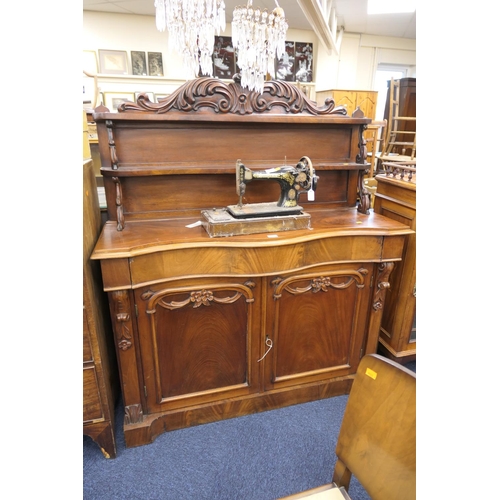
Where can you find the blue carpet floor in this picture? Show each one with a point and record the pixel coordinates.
(256, 457)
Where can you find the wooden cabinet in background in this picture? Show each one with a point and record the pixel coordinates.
(100, 375)
(365, 100)
(396, 199)
(407, 107)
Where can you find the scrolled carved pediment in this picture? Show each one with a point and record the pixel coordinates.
(211, 95)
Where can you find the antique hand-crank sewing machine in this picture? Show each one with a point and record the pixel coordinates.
(284, 215)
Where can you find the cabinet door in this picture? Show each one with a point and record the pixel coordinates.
(352, 99)
(317, 324)
(345, 98)
(196, 344)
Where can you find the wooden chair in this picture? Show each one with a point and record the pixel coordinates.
(377, 438)
(375, 141)
(401, 137)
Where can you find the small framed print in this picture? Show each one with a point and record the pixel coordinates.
(285, 69)
(303, 62)
(155, 64)
(113, 99)
(113, 62)
(139, 66)
(223, 57)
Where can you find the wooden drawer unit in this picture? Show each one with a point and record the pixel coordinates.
(396, 199)
(100, 375)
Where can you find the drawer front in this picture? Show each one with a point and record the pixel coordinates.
(242, 261)
(92, 408)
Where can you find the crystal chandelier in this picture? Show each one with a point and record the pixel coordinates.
(191, 26)
(259, 38)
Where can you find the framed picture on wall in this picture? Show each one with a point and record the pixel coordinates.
(303, 62)
(113, 99)
(139, 66)
(113, 62)
(223, 57)
(155, 64)
(285, 67)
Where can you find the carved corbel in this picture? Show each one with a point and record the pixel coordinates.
(385, 270)
(120, 222)
(112, 145)
(121, 307)
(364, 196)
(361, 156)
(363, 193)
(123, 328)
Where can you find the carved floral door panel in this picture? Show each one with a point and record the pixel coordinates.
(196, 345)
(317, 324)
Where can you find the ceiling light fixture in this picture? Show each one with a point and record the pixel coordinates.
(191, 26)
(259, 38)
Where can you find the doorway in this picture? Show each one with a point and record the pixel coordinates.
(384, 73)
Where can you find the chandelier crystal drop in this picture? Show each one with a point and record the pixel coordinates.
(258, 38)
(191, 26)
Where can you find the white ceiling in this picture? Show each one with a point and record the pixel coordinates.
(351, 14)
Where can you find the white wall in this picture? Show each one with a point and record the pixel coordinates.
(359, 57)
(353, 69)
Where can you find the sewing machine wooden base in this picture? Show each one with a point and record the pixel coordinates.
(219, 222)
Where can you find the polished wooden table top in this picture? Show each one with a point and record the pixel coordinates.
(148, 236)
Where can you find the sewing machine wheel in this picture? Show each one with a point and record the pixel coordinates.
(312, 177)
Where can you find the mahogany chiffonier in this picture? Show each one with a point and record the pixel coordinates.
(208, 328)
(100, 374)
(396, 198)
